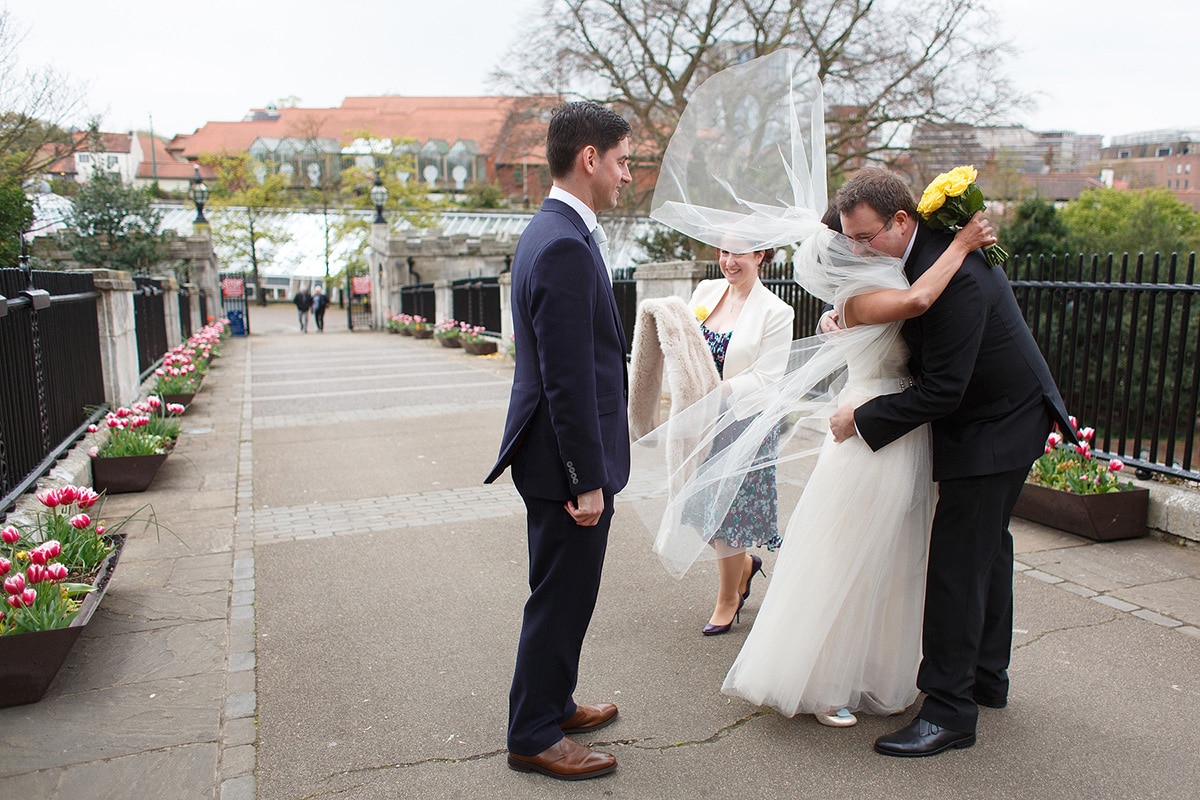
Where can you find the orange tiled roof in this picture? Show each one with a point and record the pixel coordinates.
(479, 119)
(166, 164)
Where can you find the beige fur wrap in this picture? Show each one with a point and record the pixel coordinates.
(666, 339)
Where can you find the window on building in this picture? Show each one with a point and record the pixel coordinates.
(1178, 169)
(1187, 168)
(112, 162)
(1123, 154)
(84, 158)
(1163, 152)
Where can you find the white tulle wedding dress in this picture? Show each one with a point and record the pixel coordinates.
(840, 625)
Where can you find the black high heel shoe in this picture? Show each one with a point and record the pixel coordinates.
(717, 630)
(758, 567)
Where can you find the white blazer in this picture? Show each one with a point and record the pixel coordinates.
(764, 326)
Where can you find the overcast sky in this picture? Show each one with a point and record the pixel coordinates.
(1096, 66)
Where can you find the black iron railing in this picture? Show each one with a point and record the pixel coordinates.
(419, 300)
(185, 312)
(51, 378)
(150, 322)
(1120, 336)
(477, 302)
(625, 288)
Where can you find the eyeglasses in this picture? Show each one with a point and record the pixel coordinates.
(867, 241)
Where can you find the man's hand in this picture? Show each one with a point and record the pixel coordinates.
(828, 323)
(842, 424)
(587, 508)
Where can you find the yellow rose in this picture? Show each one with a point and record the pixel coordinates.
(958, 179)
(701, 313)
(931, 200)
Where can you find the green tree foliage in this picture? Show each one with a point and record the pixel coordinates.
(16, 215)
(1116, 221)
(116, 226)
(250, 194)
(664, 244)
(1035, 228)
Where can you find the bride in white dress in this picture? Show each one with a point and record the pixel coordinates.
(839, 628)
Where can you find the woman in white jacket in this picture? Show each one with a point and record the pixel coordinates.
(742, 320)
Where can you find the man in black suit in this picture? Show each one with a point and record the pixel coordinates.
(566, 436)
(983, 386)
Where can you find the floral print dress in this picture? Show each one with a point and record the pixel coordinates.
(753, 518)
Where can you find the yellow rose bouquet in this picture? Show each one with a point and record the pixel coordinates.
(951, 200)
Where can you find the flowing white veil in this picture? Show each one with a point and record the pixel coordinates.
(747, 163)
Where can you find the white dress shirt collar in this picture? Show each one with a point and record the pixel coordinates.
(586, 214)
(911, 242)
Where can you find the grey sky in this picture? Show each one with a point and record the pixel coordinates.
(1097, 66)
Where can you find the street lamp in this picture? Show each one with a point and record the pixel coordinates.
(379, 196)
(199, 195)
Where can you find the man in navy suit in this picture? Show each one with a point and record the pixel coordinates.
(566, 437)
(982, 383)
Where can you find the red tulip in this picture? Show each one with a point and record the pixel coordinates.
(87, 497)
(14, 601)
(10, 535)
(1087, 433)
(38, 556)
(52, 547)
(99, 530)
(48, 497)
(80, 521)
(5, 565)
(68, 494)
(28, 597)
(1116, 465)
(57, 571)
(92, 428)
(15, 584)
(36, 573)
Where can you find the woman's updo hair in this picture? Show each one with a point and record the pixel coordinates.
(768, 256)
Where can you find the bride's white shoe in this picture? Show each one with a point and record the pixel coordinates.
(842, 718)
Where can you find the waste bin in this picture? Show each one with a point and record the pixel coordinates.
(237, 322)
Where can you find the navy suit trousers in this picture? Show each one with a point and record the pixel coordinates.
(565, 561)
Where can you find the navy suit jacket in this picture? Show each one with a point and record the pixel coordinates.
(980, 379)
(567, 430)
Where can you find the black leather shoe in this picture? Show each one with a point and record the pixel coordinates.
(990, 701)
(921, 738)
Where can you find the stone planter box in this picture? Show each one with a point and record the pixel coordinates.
(1100, 517)
(450, 341)
(125, 473)
(483, 348)
(29, 661)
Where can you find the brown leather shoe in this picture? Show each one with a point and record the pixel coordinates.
(567, 761)
(590, 718)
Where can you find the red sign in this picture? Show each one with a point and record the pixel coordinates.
(360, 285)
(233, 287)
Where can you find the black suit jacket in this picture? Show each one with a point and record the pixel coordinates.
(567, 430)
(980, 379)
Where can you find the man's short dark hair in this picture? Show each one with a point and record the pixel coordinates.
(575, 126)
(883, 191)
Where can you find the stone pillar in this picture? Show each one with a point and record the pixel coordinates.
(118, 336)
(376, 258)
(170, 298)
(506, 318)
(671, 278)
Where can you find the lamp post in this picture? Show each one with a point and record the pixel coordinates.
(379, 196)
(199, 195)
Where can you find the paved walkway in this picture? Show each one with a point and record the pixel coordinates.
(334, 609)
